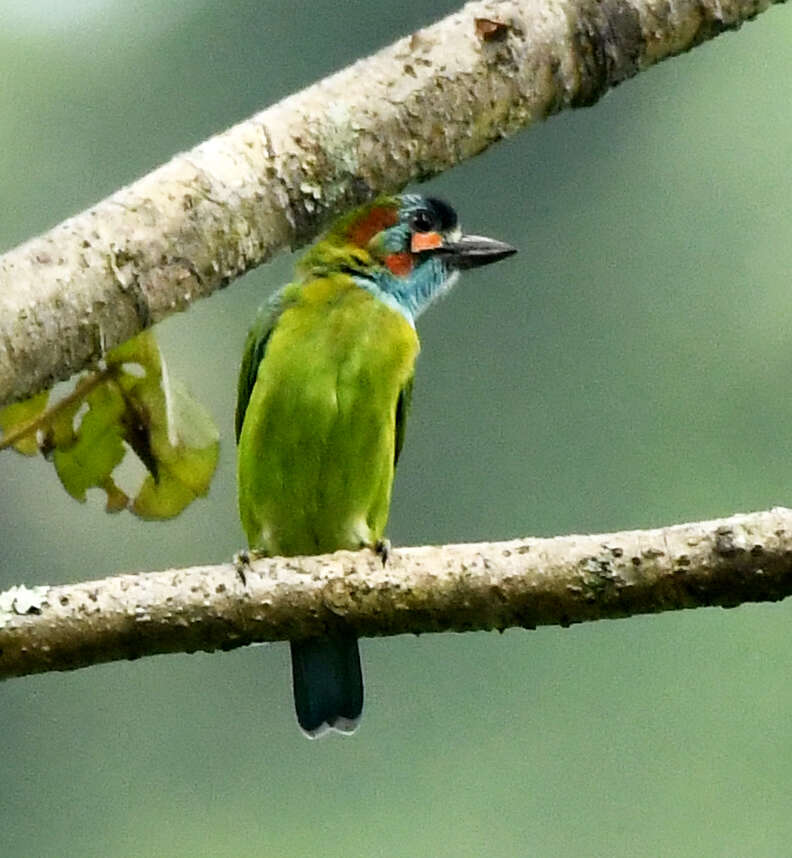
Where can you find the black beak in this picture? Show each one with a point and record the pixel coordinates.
(471, 251)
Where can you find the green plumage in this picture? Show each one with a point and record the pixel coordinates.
(323, 397)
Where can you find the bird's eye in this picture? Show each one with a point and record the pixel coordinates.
(422, 221)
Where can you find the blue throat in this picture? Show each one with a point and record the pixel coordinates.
(410, 295)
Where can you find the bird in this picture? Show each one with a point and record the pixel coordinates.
(324, 391)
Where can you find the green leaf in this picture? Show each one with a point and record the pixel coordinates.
(131, 404)
(171, 433)
(18, 415)
(185, 447)
(97, 445)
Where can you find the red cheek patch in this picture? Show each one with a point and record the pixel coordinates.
(400, 264)
(425, 241)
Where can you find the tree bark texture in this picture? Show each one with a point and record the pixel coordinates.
(525, 583)
(414, 109)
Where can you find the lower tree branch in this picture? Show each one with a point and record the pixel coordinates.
(489, 585)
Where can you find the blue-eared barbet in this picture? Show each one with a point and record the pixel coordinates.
(324, 392)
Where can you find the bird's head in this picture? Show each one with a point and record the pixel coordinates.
(407, 249)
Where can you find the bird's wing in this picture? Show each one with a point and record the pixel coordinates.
(402, 410)
(255, 346)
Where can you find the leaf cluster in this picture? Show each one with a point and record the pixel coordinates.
(128, 405)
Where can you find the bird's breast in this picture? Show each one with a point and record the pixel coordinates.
(321, 421)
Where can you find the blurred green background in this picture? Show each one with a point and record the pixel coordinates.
(631, 367)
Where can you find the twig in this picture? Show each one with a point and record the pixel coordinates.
(80, 391)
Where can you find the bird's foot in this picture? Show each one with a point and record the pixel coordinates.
(383, 548)
(241, 561)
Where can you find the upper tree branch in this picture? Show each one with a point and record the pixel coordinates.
(525, 582)
(414, 109)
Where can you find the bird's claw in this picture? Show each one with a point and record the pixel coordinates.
(383, 547)
(241, 561)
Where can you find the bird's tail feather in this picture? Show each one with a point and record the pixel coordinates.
(328, 684)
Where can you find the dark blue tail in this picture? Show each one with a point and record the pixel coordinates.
(328, 684)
